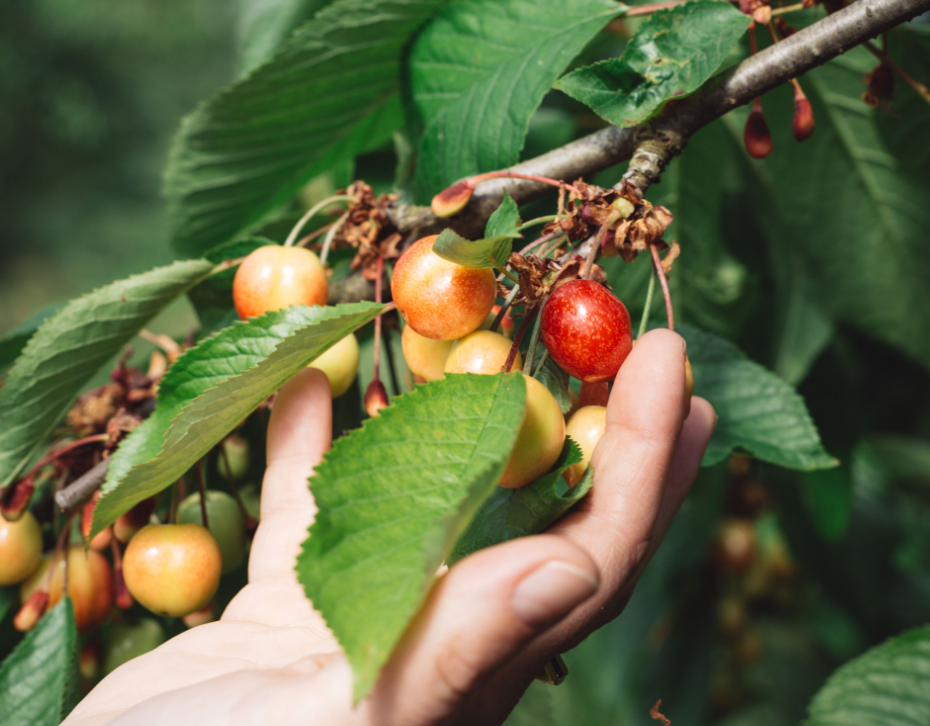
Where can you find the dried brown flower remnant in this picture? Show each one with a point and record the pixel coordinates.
(369, 229)
(760, 10)
(880, 88)
(95, 408)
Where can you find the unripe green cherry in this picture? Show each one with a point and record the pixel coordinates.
(20, 548)
(425, 357)
(125, 642)
(541, 438)
(481, 352)
(585, 427)
(227, 524)
(172, 569)
(340, 364)
(236, 452)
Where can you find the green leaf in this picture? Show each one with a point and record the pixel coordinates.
(673, 53)
(480, 70)
(885, 687)
(393, 498)
(265, 24)
(13, 342)
(38, 680)
(556, 380)
(211, 388)
(505, 220)
(855, 208)
(489, 252)
(212, 298)
(328, 94)
(758, 412)
(511, 513)
(70, 348)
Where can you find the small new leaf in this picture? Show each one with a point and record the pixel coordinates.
(505, 220)
(885, 687)
(211, 388)
(487, 252)
(38, 680)
(556, 380)
(69, 348)
(673, 53)
(757, 411)
(512, 513)
(393, 498)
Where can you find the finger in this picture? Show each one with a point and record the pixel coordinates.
(299, 433)
(478, 616)
(633, 459)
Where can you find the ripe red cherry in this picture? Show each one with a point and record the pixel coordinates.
(440, 299)
(586, 330)
(274, 278)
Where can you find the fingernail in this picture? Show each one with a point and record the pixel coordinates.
(551, 591)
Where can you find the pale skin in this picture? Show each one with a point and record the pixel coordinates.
(490, 623)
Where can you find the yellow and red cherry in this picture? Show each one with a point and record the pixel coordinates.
(340, 364)
(90, 585)
(440, 299)
(481, 352)
(540, 440)
(275, 277)
(586, 330)
(20, 548)
(585, 427)
(173, 569)
(425, 357)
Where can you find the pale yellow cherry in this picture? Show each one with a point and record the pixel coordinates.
(20, 548)
(481, 352)
(586, 427)
(541, 437)
(425, 357)
(340, 364)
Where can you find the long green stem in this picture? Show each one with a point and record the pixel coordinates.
(292, 237)
(504, 308)
(513, 278)
(538, 221)
(649, 293)
(531, 350)
(331, 235)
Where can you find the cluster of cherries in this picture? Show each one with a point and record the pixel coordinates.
(171, 569)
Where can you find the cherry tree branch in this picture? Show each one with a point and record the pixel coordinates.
(651, 145)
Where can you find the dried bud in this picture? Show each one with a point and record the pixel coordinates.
(803, 123)
(132, 521)
(624, 206)
(102, 540)
(762, 14)
(31, 611)
(121, 595)
(89, 662)
(452, 200)
(376, 398)
(17, 500)
(880, 86)
(756, 136)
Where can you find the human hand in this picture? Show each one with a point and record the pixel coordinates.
(489, 624)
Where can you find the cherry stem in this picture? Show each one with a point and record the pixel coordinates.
(531, 350)
(509, 275)
(377, 353)
(304, 241)
(921, 89)
(331, 235)
(46, 460)
(521, 331)
(203, 494)
(664, 280)
(517, 175)
(788, 9)
(504, 308)
(173, 504)
(752, 38)
(536, 243)
(774, 34)
(595, 248)
(538, 221)
(292, 237)
(649, 293)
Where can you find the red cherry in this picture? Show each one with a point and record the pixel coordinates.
(586, 330)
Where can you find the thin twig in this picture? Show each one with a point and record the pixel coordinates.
(82, 487)
(664, 280)
(649, 293)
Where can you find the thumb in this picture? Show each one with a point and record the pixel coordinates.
(479, 615)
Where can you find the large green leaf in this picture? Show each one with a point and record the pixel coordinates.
(329, 93)
(393, 498)
(38, 681)
(758, 412)
(511, 513)
(13, 342)
(69, 349)
(855, 208)
(265, 24)
(888, 686)
(673, 53)
(211, 388)
(480, 70)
